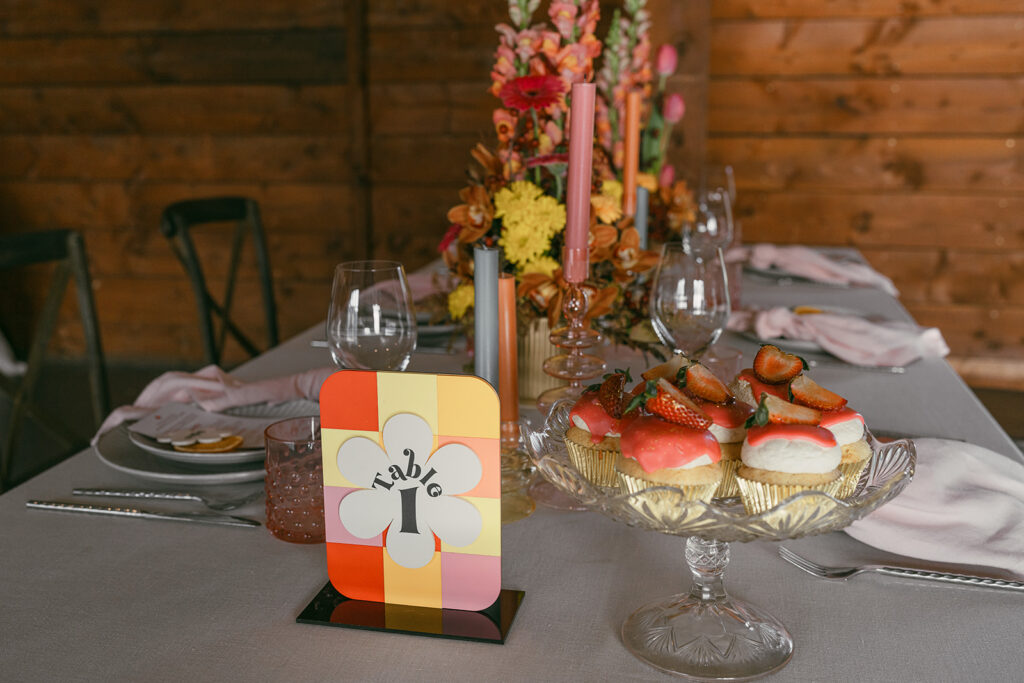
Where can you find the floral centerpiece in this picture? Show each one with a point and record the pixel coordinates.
(515, 199)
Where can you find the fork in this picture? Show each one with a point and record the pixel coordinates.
(843, 573)
(219, 505)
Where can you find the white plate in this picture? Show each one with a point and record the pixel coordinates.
(117, 451)
(274, 412)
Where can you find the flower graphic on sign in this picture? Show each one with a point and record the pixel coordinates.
(410, 491)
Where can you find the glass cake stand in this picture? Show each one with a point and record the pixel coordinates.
(706, 634)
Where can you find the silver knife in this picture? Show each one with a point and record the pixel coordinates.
(197, 517)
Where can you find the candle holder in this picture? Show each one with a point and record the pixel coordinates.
(574, 366)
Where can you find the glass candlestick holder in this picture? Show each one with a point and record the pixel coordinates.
(574, 365)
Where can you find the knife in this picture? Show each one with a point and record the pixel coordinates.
(198, 517)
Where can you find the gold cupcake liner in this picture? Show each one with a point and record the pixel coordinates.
(849, 476)
(728, 488)
(596, 465)
(631, 484)
(758, 496)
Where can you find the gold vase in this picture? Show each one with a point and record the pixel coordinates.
(534, 349)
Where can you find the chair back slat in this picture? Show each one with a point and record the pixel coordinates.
(67, 250)
(177, 224)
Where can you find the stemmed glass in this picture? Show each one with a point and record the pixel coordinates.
(690, 297)
(371, 324)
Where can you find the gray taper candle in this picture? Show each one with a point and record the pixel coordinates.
(640, 219)
(485, 311)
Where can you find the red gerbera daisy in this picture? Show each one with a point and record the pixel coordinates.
(531, 92)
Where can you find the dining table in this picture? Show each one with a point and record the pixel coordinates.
(90, 598)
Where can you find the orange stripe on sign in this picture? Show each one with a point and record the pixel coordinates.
(348, 400)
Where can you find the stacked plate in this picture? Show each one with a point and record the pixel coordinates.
(147, 458)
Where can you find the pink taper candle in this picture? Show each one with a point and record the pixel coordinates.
(576, 259)
(631, 157)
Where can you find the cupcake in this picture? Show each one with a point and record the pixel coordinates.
(846, 425)
(670, 447)
(786, 452)
(728, 417)
(592, 439)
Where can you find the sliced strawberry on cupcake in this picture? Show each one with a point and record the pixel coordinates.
(700, 382)
(610, 394)
(669, 369)
(807, 392)
(774, 410)
(665, 400)
(775, 366)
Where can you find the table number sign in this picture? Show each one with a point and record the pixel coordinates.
(412, 488)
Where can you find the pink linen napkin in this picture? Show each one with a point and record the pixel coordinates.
(964, 506)
(814, 265)
(215, 390)
(849, 337)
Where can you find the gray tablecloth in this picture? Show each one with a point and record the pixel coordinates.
(88, 598)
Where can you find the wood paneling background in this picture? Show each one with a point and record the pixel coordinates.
(896, 127)
(893, 126)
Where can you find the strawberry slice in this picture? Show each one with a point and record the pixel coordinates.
(702, 383)
(774, 410)
(775, 366)
(609, 395)
(673, 405)
(668, 369)
(807, 392)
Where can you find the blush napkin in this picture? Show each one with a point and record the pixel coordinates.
(814, 265)
(849, 337)
(214, 390)
(964, 506)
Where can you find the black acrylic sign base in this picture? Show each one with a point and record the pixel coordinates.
(491, 625)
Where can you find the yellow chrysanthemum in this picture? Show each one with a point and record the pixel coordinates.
(613, 189)
(544, 264)
(647, 181)
(607, 209)
(529, 220)
(460, 300)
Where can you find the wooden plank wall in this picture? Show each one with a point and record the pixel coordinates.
(896, 127)
(892, 126)
(112, 109)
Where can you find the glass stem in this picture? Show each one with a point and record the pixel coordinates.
(707, 561)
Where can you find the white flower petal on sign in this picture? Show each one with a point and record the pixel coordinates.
(456, 521)
(360, 459)
(368, 512)
(406, 431)
(410, 550)
(458, 468)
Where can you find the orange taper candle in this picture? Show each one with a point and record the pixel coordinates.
(631, 156)
(508, 358)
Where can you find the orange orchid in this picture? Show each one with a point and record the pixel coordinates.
(601, 239)
(545, 291)
(629, 259)
(599, 301)
(681, 208)
(475, 215)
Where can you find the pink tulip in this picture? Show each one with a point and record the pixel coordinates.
(674, 108)
(667, 176)
(667, 59)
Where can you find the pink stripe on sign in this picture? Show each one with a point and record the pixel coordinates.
(336, 531)
(470, 582)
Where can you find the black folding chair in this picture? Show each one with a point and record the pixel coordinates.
(176, 224)
(67, 250)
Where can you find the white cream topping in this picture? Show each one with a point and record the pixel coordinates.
(847, 431)
(696, 462)
(579, 422)
(792, 456)
(727, 435)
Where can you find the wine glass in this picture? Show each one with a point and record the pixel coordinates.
(689, 298)
(371, 324)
